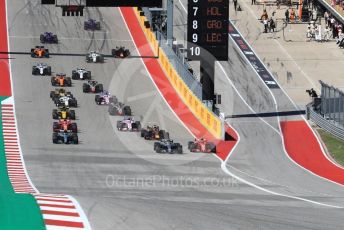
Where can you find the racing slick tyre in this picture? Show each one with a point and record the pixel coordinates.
(99, 88)
(47, 71)
(137, 125)
(180, 149)
(46, 53)
(143, 133)
(73, 103)
(211, 147)
(41, 38)
(72, 114)
(100, 59)
(33, 53)
(74, 127)
(56, 101)
(191, 145)
(127, 111)
(68, 81)
(119, 125)
(75, 75)
(157, 148)
(56, 126)
(113, 99)
(55, 39)
(86, 88)
(34, 71)
(98, 100)
(88, 75)
(75, 139)
(112, 110)
(52, 94)
(53, 82)
(55, 138)
(55, 114)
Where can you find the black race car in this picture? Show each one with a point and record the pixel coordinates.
(65, 137)
(48, 37)
(41, 69)
(92, 86)
(91, 24)
(167, 146)
(81, 74)
(120, 52)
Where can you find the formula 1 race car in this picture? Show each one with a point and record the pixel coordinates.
(154, 133)
(167, 146)
(59, 93)
(61, 80)
(65, 137)
(129, 124)
(117, 108)
(63, 113)
(81, 74)
(39, 52)
(201, 145)
(120, 52)
(41, 69)
(91, 24)
(48, 37)
(66, 101)
(94, 57)
(105, 98)
(65, 125)
(92, 86)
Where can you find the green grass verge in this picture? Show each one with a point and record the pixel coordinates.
(334, 146)
(17, 211)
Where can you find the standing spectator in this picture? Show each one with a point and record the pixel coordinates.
(278, 3)
(292, 15)
(265, 18)
(235, 2)
(287, 15)
(333, 27)
(253, 2)
(326, 17)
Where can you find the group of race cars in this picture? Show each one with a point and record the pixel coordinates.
(66, 131)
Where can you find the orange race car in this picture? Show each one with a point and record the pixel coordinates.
(61, 80)
(40, 52)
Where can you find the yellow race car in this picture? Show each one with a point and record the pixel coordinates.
(63, 113)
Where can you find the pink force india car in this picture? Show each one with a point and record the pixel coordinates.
(129, 124)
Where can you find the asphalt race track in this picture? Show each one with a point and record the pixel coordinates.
(118, 179)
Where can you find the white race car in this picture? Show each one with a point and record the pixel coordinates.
(81, 74)
(94, 57)
(41, 69)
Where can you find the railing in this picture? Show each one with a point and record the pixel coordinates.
(177, 61)
(325, 123)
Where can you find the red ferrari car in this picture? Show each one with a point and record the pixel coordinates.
(65, 125)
